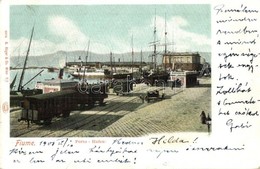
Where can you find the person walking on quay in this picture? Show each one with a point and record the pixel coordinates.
(203, 118)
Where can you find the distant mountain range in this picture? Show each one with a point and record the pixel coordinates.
(59, 58)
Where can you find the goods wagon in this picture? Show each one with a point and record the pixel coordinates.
(122, 86)
(42, 108)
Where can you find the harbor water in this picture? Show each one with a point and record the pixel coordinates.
(43, 76)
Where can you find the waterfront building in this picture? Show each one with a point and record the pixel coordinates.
(182, 61)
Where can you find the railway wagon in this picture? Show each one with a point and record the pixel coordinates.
(40, 109)
(91, 94)
(122, 86)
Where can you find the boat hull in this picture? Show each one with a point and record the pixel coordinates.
(92, 74)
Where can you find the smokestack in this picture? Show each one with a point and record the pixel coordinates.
(61, 73)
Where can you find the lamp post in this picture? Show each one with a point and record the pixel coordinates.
(175, 83)
(127, 83)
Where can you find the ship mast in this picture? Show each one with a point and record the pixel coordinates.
(165, 36)
(165, 48)
(111, 63)
(86, 61)
(13, 82)
(20, 87)
(132, 44)
(154, 41)
(165, 39)
(141, 60)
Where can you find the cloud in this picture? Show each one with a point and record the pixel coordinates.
(73, 37)
(183, 40)
(66, 29)
(178, 37)
(69, 37)
(19, 47)
(67, 34)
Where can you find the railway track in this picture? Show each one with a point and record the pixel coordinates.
(21, 129)
(93, 120)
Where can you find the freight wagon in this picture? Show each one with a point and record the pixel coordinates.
(122, 86)
(42, 108)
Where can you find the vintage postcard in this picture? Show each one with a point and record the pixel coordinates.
(129, 85)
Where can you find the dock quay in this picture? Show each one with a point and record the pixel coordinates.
(128, 116)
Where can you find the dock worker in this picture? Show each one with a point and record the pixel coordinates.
(208, 122)
(203, 118)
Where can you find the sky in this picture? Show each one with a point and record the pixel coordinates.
(109, 28)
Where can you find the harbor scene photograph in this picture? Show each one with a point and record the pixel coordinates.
(109, 70)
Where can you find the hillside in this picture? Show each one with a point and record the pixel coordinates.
(59, 58)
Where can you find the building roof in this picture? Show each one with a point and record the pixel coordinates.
(182, 54)
(51, 95)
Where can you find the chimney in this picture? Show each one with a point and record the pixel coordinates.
(60, 74)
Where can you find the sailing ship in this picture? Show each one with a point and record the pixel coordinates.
(17, 95)
(156, 76)
(116, 74)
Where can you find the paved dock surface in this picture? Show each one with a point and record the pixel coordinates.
(128, 116)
